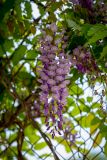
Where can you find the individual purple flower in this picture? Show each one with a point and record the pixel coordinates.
(51, 82)
(44, 76)
(59, 71)
(48, 38)
(44, 87)
(54, 48)
(51, 73)
(59, 78)
(53, 27)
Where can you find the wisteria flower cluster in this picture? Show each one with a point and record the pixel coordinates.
(53, 77)
(68, 135)
(85, 4)
(83, 61)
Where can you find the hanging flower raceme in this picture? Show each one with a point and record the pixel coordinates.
(53, 77)
(84, 3)
(83, 61)
(68, 135)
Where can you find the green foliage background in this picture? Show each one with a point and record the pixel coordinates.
(21, 129)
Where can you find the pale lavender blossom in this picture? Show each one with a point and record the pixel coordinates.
(66, 82)
(44, 59)
(48, 38)
(57, 41)
(59, 71)
(43, 98)
(63, 84)
(51, 82)
(52, 67)
(51, 56)
(64, 46)
(54, 48)
(43, 76)
(59, 78)
(56, 96)
(44, 87)
(51, 73)
(40, 81)
(53, 27)
(55, 89)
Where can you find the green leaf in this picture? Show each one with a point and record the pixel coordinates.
(94, 128)
(98, 36)
(65, 144)
(94, 29)
(24, 75)
(97, 32)
(86, 120)
(104, 52)
(18, 9)
(85, 28)
(1, 51)
(5, 7)
(96, 105)
(55, 6)
(51, 17)
(28, 10)
(19, 54)
(89, 99)
(25, 147)
(70, 101)
(12, 137)
(32, 54)
(76, 40)
(95, 121)
(103, 129)
(76, 90)
(41, 10)
(30, 132)
(97, 50)
(94, 125)
(97, 140)
(40, 145)
(8, 45)
(75, 111)
(73, 24)
(105, 149)
(85, 108)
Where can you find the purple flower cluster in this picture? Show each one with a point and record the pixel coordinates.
(53, 74)
(84, 62)
(68, 135)
(84, 3)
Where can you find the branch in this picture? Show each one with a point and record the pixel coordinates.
(5, 124)
(45, 137)
(20, 139)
